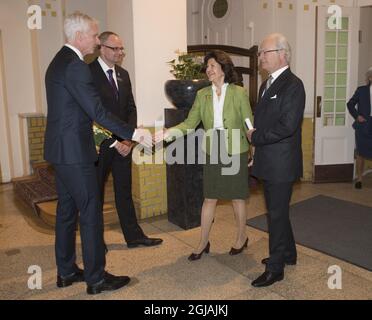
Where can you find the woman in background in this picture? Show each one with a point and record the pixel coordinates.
(362, 114)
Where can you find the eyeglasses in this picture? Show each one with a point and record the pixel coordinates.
(116, 49)
(266, 51)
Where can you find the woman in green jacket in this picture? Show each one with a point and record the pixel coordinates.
(222, 108)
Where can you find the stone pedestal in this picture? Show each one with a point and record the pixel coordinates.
(184, 181)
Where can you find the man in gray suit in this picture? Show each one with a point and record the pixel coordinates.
(278, 152)
(73, 105)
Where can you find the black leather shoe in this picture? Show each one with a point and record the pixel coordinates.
(358, 185)
(108, 283)
(63, 282)
(287, 262)
(234, 251)
(267, 279)
(147, 242)
(197, 256)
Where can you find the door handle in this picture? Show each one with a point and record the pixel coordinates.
(318, 106)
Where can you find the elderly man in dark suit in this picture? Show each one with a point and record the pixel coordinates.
(360, 108)
(115, 89)
(73, 104)
(278, 153)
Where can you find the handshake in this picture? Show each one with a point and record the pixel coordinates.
(146, 139)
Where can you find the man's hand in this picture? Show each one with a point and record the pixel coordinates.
(160, 135)
(124, 147)
(143, 136)
(249, 134)
(361, 119)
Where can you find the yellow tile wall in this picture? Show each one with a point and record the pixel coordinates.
(149, 186)
(36, 129)
(149, 189)
(307, 148)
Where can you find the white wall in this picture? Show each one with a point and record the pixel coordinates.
(94, 8)
(365, 47)
(18, 77)
(26, 55)
(120, 21)
(194, 10)
(160, 29)
(6, 154)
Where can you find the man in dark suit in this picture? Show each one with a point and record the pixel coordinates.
(73, 104)
(278, 153)
(115, 89)
(360, 108)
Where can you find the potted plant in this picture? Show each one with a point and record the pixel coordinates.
(188, 71)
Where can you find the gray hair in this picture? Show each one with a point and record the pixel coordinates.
(77, 22)
(369, 75)
(282, 43)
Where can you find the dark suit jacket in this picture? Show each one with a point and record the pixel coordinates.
(73, 105)
(361, 98)
(124, 108)
(278, 119)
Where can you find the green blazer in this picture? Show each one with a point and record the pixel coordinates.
(235, 110)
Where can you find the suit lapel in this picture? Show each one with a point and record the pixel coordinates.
(228, 101)
(119, 79)
(276, 85)
(274, 88)
(102, 76)
(209, 105)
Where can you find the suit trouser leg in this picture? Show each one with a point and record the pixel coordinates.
(122, 173)
(80, 183)
(65, 228)
(104, 163)
(282, 246)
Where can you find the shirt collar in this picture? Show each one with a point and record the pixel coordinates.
(104, 66)
(224, 86)
(76, 50)
(278, 72)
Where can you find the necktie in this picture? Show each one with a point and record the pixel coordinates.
(113, 84)
(268, 83)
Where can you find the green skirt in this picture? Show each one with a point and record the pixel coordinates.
(226, 185)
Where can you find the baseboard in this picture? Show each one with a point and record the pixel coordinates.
(333, 173)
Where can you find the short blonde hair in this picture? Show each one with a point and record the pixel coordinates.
(77, 22)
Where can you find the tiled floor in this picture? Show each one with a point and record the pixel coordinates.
(164, 272)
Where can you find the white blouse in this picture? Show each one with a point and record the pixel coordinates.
(218, 106)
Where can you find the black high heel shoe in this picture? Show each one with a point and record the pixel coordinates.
(197, 256)
(234, 251)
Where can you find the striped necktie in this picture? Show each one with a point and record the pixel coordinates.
(269, 82)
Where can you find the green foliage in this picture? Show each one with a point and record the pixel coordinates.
(100, 134)
(187, 66)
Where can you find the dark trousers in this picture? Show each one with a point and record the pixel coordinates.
(121, 167)
(78, 195)
(282, 246)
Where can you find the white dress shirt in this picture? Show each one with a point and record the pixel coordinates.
(218, 106)
(105, 67)
(275, 75)
(76, 50)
